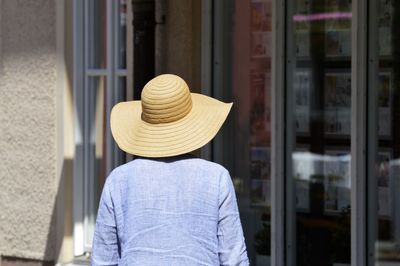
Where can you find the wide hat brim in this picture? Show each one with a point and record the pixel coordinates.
(193, 131)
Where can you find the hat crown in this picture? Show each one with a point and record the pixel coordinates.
(165, 99)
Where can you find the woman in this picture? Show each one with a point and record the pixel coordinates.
(167, 207)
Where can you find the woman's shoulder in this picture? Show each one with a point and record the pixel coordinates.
(180, 161)
(201, 164)
(147, 166)
(119, 173)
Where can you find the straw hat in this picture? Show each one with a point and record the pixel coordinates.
(168, 121)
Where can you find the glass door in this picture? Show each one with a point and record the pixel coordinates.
(318, 132)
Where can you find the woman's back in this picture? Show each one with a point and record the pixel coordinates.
(170, 211)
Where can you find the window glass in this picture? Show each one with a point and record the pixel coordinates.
(95, 154)
(121, 95)
(386, 144)
(121, 33)
(243, 76)
(96, 33)
(104, 86)
(318, 128)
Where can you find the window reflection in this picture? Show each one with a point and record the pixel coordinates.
(387, 151)
(97, 37)
(244, 56)
(95, 172)
(102, 89)
(319, 124)
(332, 170)
(121, 33)
(387, 189)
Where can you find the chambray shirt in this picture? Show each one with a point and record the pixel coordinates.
(172, 211)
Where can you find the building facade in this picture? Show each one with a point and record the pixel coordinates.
(311, 143)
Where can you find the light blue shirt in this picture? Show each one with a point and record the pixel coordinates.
(172, 211)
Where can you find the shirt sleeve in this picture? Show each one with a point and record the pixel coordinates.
(231, 245)
(105, 249)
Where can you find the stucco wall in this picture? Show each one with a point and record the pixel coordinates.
(28, 183)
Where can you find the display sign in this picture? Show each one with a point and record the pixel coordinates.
(337, 90)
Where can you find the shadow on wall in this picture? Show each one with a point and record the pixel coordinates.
(27, 28)
(60, 232)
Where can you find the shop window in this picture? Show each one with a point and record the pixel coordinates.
(384, 132)
(100, 77)
(318, 132)
(242, 74)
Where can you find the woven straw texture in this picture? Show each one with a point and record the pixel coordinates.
(168, 121)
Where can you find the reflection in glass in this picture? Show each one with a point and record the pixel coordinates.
(95, 171)
(121, 31)
(97, 33)
(101, 154)
(387, 120)
(319, 123)
(120, 157)
(243, 51)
